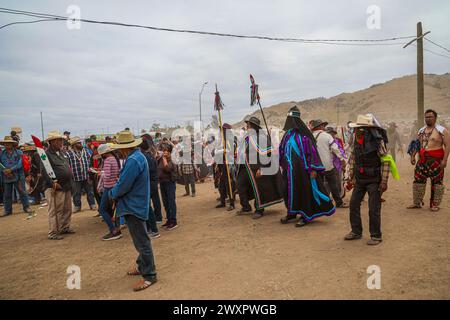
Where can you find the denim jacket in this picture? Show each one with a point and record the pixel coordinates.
(132, 191)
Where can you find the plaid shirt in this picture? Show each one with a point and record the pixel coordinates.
(79, 163)
(384, 165)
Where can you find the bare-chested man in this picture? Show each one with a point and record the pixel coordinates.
(433, 147)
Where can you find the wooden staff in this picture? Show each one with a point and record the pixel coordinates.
(218, 106)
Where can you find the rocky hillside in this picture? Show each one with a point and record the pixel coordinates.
(394, 100)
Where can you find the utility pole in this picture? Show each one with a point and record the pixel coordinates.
(420, 84)
(42, 128)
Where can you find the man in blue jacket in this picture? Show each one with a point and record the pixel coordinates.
(13, 176)
(132, 197)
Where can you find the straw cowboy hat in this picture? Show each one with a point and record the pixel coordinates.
(28, 147)
(367, 120)
(53, 135)
(8, 139)
(74, 140)
(255, 121)
(104, 149)
(125, 140)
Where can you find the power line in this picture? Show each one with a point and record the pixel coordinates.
(433, 52)
(26, 22)
(438, 54)
(438, 45)
(283, 39)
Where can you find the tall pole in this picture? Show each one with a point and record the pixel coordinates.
(420, 86)
(225, 154)
(42, 127)
(200, 105)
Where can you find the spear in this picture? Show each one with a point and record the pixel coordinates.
(218, 105)
(254, 98)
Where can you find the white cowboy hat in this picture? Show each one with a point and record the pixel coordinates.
(125, 140)
(104, 149)
(53, 135)
(367, 120)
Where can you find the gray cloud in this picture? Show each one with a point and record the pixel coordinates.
(107, 77)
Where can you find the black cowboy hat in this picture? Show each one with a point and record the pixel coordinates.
(318, 123)
(255, 121)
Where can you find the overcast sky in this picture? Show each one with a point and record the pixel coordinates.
(106, 77)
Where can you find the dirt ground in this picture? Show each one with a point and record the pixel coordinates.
(214, 254)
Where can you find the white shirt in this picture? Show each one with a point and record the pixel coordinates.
(326, 147)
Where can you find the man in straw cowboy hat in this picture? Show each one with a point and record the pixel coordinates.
(132, 196)
(79, 159)
(13, 175)
(58, 191)
(369, 166)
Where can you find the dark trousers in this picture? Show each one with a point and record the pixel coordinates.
(78, 186)
(224, 189)
(151, 222)
(8, 190)
(141, 241)
(168, 192)
(189, 179)
(154, 193)
(372, 188)
(332, 183)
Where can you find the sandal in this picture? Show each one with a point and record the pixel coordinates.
(55, 237)
(134, 272)
(434, 209)
(143, 284)
(414, 206)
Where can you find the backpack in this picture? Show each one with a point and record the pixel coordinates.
(26, 163)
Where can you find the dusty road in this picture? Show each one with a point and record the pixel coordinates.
(218, 255)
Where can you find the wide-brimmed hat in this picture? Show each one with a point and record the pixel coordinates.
(74, 140)
(331, 130)
(8, 139)
(125, 139)
(53, 135)
(104, 149)
(28, 147)
(255, 121)
(318, 123)
(367, 120)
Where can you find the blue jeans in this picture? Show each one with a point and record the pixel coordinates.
(8, 188)
(168, 189)
(77, 187)
(105, 209)
(141, 241)
(154, 193)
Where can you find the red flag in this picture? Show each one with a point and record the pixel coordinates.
(218, 104)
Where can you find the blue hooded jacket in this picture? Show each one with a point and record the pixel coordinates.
(132, 191)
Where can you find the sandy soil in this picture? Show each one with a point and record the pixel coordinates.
(218, 255)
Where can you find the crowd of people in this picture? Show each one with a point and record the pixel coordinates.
(128, 180)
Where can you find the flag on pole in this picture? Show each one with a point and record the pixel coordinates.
(254, 95)
(218, 104)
